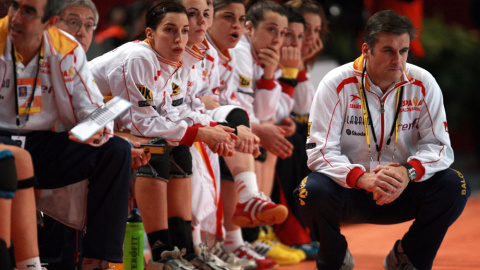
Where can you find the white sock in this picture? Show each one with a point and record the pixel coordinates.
(246, 184)
(90, 264)
(196, 236)
(30, 264)
(233, 240)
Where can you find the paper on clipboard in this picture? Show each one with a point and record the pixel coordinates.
(100, 117)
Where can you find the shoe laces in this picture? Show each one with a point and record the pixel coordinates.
(261, 247)
(177, 254)
(260, 195)
(250, 250)
(226, 255)
(204, 253)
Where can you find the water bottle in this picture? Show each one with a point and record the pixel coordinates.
(133, 245)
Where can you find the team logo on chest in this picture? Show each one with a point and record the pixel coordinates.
(146, 93)
(413, 104)
(355, 105)
(69, 74)
(175, 89)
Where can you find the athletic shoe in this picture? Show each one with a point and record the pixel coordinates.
(258, 211)
(248, 252)
(278, 254)
(204, 260)
(275, 240)
(171, 260)
(348, 261)
(396, 260)
(262, 248)
(231, 260)
(310, 249)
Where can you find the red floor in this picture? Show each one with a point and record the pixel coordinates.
(370, 243)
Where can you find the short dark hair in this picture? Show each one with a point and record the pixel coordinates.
(53, 8)
(314, 7)
(257, 9)
(293, 15)
(387, 21)
(219, 4)
(159, 9)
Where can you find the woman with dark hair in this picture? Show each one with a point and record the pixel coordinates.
(204, 85)
(142, 72)
(239, 181)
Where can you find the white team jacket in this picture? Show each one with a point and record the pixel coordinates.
(227, 93)
(192, 108)
(208, 74)
(137, 73)
(337, 142)
(259, 97)
(303, 94)
(68, 90)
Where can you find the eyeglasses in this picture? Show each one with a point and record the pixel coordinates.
(27, 13)
(76, 25)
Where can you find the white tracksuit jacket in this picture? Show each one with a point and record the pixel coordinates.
(192, 108)
(227, 93)
(68, 90)
(259, 97)
(207, 71)
(337, 145)
(303, 94)
(135, 72)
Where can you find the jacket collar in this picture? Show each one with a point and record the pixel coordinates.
(56, 40)
(225, 56)
(358, 66)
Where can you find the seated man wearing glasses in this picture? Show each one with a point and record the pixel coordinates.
(79, 18)
(60, 93)
(61, 246)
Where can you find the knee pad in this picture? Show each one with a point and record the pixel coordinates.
(8, 175)
(27, 183)
(238, 117)
(225, 171)
(263, 155)
(181, 161)
(158, 167)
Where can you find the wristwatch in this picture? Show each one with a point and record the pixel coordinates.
(411, 172)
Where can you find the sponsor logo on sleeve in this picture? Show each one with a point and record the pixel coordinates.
(69, 74)
(310, 146)
(177, 102)
(146, 93)
(244, 81)
(143, 103)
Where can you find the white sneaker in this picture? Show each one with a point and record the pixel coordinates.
(204, 260)
(230, 259)
(171, 260)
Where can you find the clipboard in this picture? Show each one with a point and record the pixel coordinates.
(100, 117)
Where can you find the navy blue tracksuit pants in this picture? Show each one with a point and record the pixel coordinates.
(434, 204)
(59, 162)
